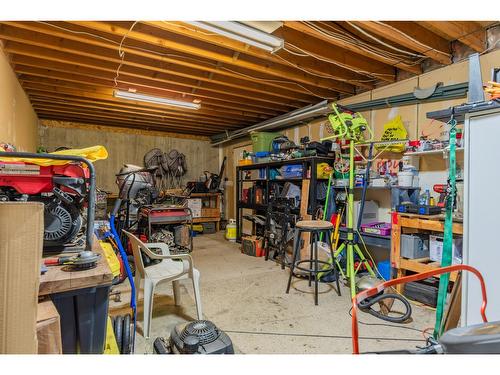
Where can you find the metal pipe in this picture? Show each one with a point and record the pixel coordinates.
(91, 200)
(291, 118)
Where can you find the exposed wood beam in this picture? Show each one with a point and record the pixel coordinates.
(131, 119)
(264, 68)
(150, 63)
(171, 79)
(143, 85)
(469, 33)
(73, 101)
(151, 108)
(18, 45)
(114, 124)
(412, 36)
(280, 57)
(338, 55)
(65, 90)
(304, 28)
(211, 103)
(76, 125)
(105, 107)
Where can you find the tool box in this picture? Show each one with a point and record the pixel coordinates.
(421, 209)
(252, 245)
(424, 291)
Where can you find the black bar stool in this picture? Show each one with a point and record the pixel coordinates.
(315, 228)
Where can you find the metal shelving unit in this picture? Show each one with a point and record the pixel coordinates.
(309, 165)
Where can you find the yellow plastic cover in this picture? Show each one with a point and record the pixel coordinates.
(90, 153)
(394, 130)
(111, 258)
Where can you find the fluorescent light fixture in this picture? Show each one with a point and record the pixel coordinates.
(155, 99)
(242, 33)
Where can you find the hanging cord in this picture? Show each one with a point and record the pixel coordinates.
(121, 53)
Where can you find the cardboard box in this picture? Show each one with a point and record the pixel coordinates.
(436, 249)
(48, 329)
(21, 234)
(195, 205)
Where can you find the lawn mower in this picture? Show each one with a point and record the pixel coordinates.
(64, 183)
(196, 337)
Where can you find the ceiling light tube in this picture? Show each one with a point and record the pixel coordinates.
(154, 99)
(242, 33)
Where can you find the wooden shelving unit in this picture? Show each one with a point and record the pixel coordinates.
(433, 223)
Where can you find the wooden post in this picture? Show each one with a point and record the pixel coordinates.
(304, 203)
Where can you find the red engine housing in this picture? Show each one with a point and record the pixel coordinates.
(32, 179)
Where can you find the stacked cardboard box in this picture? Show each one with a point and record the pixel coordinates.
(21, 234)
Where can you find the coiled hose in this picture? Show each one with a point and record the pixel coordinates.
(366, 305)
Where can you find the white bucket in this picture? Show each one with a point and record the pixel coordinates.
(405, 178)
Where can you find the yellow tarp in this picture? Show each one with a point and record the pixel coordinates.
(90, 153)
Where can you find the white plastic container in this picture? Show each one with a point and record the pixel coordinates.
(405, 178)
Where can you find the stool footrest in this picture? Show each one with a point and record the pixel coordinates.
(329, 267)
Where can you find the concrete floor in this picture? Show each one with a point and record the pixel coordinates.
(245, 296)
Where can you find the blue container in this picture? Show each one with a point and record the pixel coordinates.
(384, 268)
(292, 171)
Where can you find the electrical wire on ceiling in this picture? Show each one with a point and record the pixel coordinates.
(382, 42)
(353, 40)
(337, 78)
(413, 39)
(345, 66)
(278, 81)
(121, 53)
(182, 57)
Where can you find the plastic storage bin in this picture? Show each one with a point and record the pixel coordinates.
(384, 267)
(414, 246)
(262, 141)
(84, 314)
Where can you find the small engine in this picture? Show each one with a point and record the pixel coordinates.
(197, 337)
(61, 188)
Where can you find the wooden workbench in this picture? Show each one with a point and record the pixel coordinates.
(57, 280)
(433, 223)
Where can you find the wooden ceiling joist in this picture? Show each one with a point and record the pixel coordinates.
(74, 101)
(72, 90)
(89, 85)
(90, 114)
(269, 68)
(126, 82)
(280, 57)
(341, 42)
(116, 103)
(149, 63)
(412, 36)
(99, 107)
(469, 33)
(337, 55)
(117, 124)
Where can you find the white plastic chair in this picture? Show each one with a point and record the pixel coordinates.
(172, 268)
